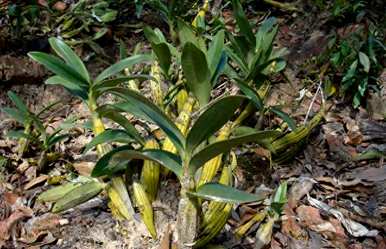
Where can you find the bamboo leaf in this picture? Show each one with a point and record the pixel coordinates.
(224, 193)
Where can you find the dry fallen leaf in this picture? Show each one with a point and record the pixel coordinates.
(354, 228)
(60, 6)
(299, 189)
(37, 226)
(166, 240)
(7, 224)
(84, 168)
(36, 181)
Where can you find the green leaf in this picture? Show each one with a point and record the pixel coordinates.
(351, 72)
(124, 155)
(102, 86)
(16, 114)
(109, 16)
(365, 61)
(217, 148)
(280, 198)
(74, 89)
(221, 68)
(69, 56)
(108, 136)
(241, 63)
(164, 56)
(291, 123)
(224, 193)
(153, 36)
(58, 67)
(242, 21)
(142, 107)
(212, 119)
(18, 103)
(78, 195)
(265, 37)
(19, 134)
(160, 47)
(243, 130)
(250, 93)
(48, 107)
(119, 107)
(52, 140)
(124, 122)
(215, 51)
(362, 87)
(196, 72)
(186, 33)
(125, 63)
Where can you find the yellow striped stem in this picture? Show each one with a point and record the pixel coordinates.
(182, 122)
(155, 85)
(243, 229)
(150, 172)
(145, 208)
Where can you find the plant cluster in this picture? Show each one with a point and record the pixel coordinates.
(357, 59)
(199, 130)
(34, 132)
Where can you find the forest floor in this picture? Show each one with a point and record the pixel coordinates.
(334, 201)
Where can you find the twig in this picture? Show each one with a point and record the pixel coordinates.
(313, 101)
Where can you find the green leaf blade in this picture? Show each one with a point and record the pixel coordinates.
(143, 108)
(224, 193)
(365, 61)
(242, 21)
(58, 67)
(18, 103)
(123, 154)
(108, 136)
(121, 65)
(212, 119)
(69, 56)
(217, 148)
(250, 93)
(215, 51)
(196, 71)
(73, 88)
